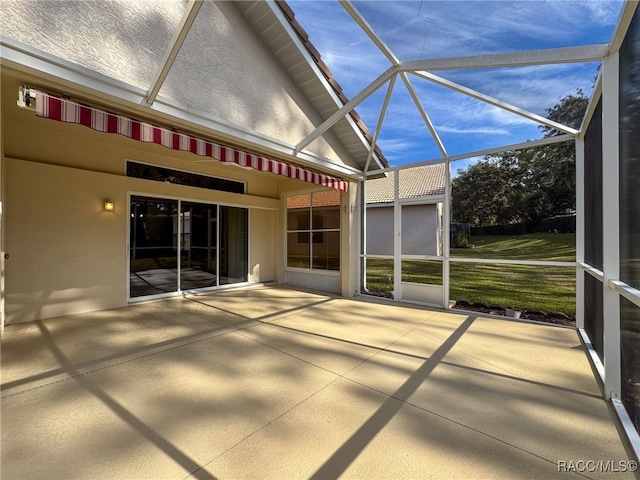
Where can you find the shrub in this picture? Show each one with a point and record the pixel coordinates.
(461, 241)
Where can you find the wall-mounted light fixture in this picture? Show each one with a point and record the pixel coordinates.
(108, 205)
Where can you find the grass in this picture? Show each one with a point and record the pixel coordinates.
(559, 247)
(550, 289)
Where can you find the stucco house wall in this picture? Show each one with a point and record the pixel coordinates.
(66, 254)
(238, 80)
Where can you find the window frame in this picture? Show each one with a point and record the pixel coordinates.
(316, 236)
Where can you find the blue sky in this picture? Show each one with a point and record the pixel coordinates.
(417, 29)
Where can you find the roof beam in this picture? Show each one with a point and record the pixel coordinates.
(423, 112)
(587, 53)
(626, 15)
(479, 153)
(364, 25)
(346, 108)
(383, 112)
(496, 103)
(188, 17)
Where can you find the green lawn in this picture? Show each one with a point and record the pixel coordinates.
(559, 247)
(550, 289)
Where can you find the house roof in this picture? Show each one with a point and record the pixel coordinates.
(414, 182)
(327, 97)
(326, 71)
(320, 199)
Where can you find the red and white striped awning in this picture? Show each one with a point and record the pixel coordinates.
(64, 110)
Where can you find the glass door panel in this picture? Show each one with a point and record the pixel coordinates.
(198, 251)
(153, 246)
(234, 245)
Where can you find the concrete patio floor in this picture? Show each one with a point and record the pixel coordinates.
(273, 382)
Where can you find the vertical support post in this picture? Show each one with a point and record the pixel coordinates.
(362, 265)
(179, 241)
(397, 237)
(611, 224)
(2, 244)
(350, 240)
(580, 232)
(446, 234)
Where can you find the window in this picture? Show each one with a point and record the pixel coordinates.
(169, 175)
(313, 231)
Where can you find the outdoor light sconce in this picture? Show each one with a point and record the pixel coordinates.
(108, 205)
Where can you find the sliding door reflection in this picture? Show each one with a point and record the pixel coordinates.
(212, 240)
(198, 252)
(153, 246)
(234, 245)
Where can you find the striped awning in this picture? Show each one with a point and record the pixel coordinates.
(65, 110)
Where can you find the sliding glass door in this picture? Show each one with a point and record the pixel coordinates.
(198, 246)
(212, 242)
(153, 246)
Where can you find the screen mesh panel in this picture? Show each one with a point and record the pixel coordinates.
(593, 316)
(593, 190)
(630, 156)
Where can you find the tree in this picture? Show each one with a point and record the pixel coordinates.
(522, 185)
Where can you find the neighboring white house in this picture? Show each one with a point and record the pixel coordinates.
(420, 194)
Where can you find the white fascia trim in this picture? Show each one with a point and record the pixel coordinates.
(580, 54)
(114, 92)
(495, 102)
(480, 153)
(320, 76)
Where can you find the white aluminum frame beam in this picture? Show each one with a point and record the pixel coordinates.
(346, 108)
(580, 231)
(188, 17)
(386, 51)
(366, 28)
(611, 226)
(581, 54)
(383, 112)
(480, 153)
(423, 113)
(495, 102)
(626, 15)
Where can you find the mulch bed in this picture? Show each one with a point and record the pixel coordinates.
(556, 318)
